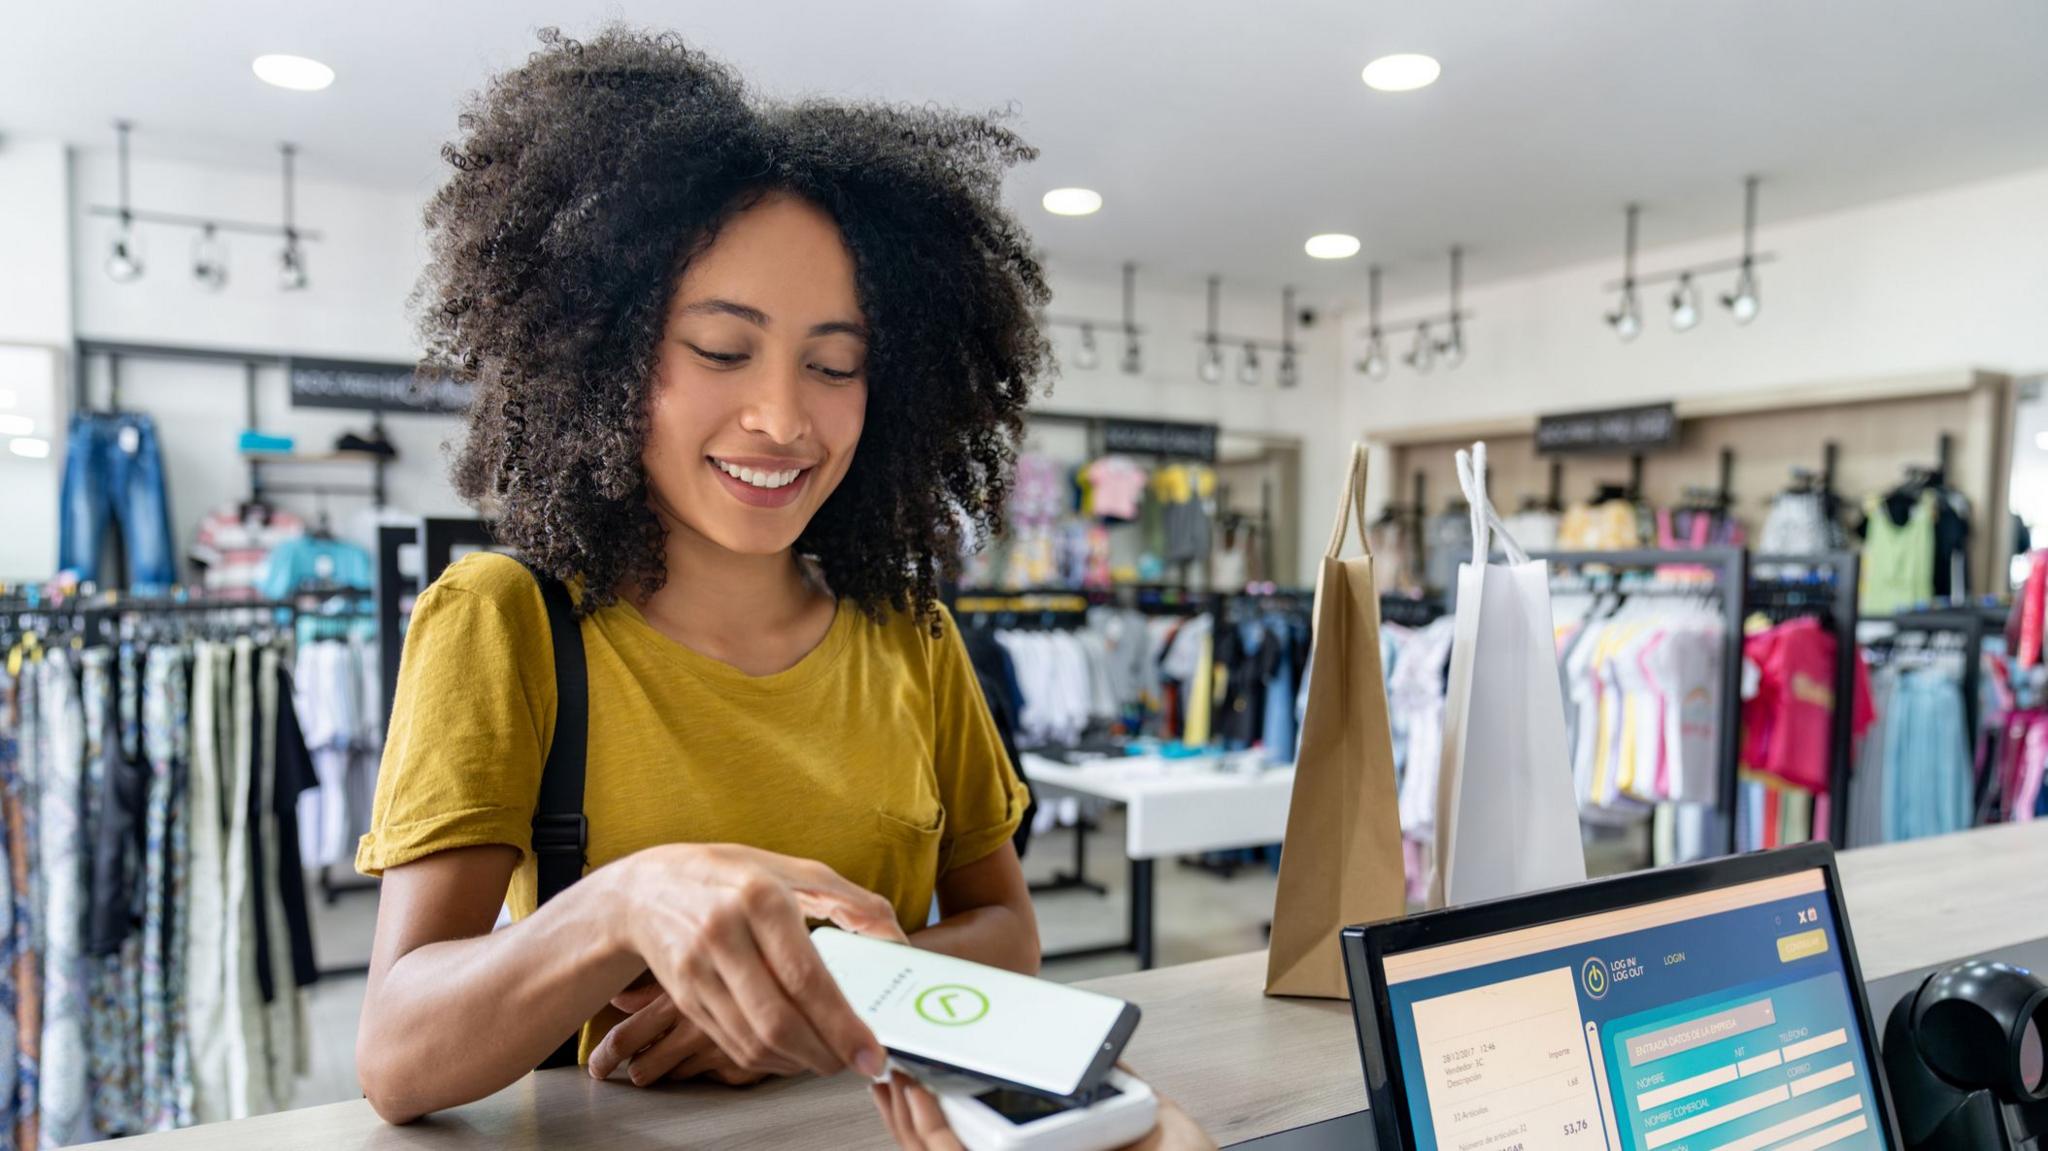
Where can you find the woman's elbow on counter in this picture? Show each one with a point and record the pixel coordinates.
(390, 1090)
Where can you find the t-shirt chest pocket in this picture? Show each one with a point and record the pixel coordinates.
(908, 818)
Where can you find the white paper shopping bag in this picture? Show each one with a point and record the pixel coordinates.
(1506, 819)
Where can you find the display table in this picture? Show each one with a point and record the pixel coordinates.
(1241, 1064)
(1171, 807)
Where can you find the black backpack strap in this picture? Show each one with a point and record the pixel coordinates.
(561, 834)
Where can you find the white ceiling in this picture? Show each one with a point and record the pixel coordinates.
(1220, 133)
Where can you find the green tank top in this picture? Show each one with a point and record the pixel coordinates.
(1898, 559)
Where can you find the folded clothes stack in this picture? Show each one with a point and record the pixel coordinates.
(255, 443)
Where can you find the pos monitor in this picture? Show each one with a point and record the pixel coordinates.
(1715, 1007)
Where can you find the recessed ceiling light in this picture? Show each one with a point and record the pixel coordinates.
(294, 72)
(30, 448)
(1332, 246)
(1073, 201)
(1404, 72)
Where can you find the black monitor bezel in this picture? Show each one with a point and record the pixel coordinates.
(1366, 947)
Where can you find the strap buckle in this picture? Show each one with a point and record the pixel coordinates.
(558, 833)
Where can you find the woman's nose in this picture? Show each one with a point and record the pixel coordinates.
(777, 408)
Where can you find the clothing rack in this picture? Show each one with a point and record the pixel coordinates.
(1197, 449)
(95, 613)
(1025, 611)
(1974, 625)
(1729, 569)
(1788, 587)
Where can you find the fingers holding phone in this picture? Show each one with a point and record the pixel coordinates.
(722, 929)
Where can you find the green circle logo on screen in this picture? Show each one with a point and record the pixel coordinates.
(1594, 976)
(952, 1004)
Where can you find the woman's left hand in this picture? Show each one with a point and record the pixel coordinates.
(654, 1042)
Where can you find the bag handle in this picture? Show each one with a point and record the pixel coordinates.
(1485, 520)
(561, 833)
(1352, 505)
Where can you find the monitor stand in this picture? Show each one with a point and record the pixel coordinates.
(1354, 1132)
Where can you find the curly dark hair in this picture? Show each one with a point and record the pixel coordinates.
(586, 179)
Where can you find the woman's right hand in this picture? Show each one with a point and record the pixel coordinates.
(721, 928)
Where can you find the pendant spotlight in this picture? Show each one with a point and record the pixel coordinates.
(1213, 341)
(1133, 362)
(1088, 351)
(1290, 368)
(1374, 365)
(209, 245)
(210, 259)
(292, 261)
(1087, 356)
(1627, 318)
(124, 257)
(1210, 365)
(1742, 303)
(1423, 354)
(1426, 351)
(1685, 304)
(1452, 349)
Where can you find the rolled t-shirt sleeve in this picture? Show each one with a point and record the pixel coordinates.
(982, 794)
(471, 716)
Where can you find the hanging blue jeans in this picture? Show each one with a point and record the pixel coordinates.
(113, 472)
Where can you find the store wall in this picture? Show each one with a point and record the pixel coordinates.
(362, 272)
(1949, 280)
(35, 328)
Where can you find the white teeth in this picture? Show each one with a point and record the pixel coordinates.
(768, 481)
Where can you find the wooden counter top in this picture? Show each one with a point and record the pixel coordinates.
(1242, 1064)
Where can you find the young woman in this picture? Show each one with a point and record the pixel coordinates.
(744, 376)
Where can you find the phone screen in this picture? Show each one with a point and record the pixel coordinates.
(1042, 1035)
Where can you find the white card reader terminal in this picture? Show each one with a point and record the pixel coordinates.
(991, 1118)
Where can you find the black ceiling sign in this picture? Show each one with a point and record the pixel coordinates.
(363, 386)
(1159, 438)
(1614, 431)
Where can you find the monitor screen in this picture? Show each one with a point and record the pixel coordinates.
(1718, 1021)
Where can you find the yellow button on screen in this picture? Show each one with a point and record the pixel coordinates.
(1793, 947)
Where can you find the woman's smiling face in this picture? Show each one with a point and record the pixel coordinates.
(760, 382)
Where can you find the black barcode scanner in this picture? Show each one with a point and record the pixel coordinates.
(1967, 1059)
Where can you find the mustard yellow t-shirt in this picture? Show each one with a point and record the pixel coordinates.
(874, 755)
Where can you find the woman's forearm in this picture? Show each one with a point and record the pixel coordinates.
(451, 1022)
(994, 934)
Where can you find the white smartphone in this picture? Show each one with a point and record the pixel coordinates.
(1121, 1111)
(960, 1016)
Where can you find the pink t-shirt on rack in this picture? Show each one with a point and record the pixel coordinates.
(1788, 725)
(1116, 484)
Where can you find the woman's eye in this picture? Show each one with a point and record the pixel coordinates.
(725, 359)
(831, 374)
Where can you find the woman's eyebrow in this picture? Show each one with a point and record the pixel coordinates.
(840, 327)
(754, 316)
(759, 318)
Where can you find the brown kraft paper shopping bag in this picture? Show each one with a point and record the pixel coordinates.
(1341, 863)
